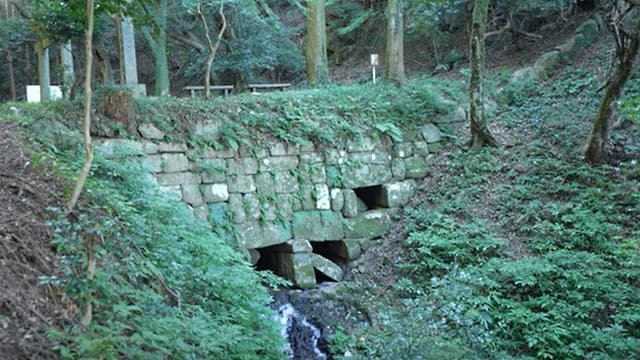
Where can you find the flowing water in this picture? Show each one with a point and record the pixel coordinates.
(302, 336)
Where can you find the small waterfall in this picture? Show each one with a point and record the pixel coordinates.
(301, 335)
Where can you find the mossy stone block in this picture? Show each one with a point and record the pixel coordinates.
(371, 224)
(318, 225)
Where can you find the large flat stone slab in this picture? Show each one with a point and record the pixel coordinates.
(327, 267)
(357, 175)
(371, 224)
(318, 225)
(254, 234)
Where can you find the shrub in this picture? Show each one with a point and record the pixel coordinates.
(164, 286)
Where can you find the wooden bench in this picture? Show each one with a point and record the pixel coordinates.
(226, 89)
(279, 86)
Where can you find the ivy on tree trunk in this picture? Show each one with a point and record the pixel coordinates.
(480, 135)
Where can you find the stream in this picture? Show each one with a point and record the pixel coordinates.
(303, 339)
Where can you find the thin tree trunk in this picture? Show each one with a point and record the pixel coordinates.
(12, 81)
(596, 147)
(316, 44)
(84, 173)
(480, 135)
(394, 47)
(213, 48)
(86, 125)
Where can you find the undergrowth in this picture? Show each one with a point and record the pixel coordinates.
(523, 251)
(328, 115)
(164, 287)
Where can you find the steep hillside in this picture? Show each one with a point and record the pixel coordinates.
(522, 251)
(27, 310)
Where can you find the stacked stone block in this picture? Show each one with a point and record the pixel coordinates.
(286, 197)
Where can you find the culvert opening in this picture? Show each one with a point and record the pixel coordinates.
(271, 259)
(326, 263)
(320, 277)
(332, 250)
(371, 196)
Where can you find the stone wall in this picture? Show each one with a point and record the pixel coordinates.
(300, 211)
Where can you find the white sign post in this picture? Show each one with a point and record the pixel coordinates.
(374, 62)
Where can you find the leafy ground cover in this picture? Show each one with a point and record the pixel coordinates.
(164, 284)
(522, 251)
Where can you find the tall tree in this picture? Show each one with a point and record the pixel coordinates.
(316, 44)
(394, 46)
(480, 135)
(156, 36)
(626, 29)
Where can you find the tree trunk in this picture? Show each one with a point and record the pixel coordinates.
(316, 44)
(162, 66)
(394, 47)
(596, 147)
(28, 66)
(239, 81)
(480, 135)
(213, 48)
(157, 39)
(68, 78)
(12, 81)
(44, 74)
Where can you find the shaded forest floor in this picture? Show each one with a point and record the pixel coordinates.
(27, 310)
(533, 198)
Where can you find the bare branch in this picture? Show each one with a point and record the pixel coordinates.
(498, 32)
(532, 35)
(189, 40)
